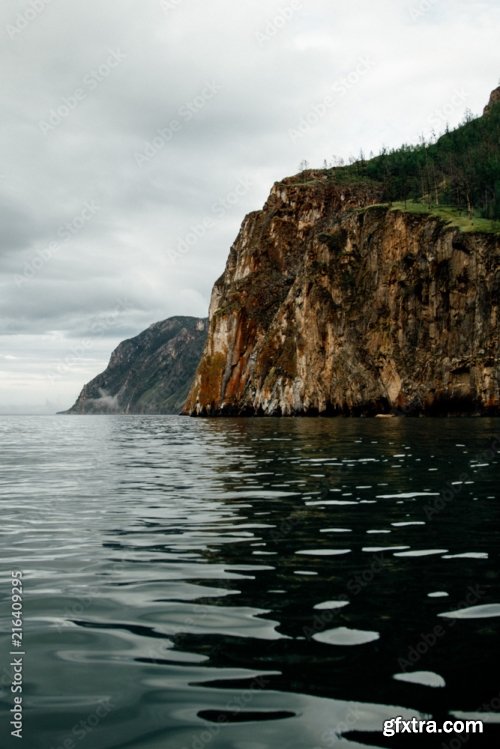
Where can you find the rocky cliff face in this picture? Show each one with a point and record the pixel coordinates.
(330, 304)
(494, 100)
(150, 373)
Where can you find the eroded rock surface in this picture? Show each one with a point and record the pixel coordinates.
(333, 304)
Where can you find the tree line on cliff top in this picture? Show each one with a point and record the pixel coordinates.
(460, 169)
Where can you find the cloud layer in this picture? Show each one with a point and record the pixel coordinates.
(137, 135)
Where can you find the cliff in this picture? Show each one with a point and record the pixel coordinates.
(494, 100)
(150, 373)
(332, 304)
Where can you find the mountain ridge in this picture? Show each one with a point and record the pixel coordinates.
(149, 373)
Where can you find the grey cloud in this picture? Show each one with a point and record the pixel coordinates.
(18, 225)
(164, 228)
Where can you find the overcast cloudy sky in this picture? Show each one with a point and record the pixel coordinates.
(136, 135)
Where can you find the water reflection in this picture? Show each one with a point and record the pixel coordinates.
(304, 578)
(285, 472)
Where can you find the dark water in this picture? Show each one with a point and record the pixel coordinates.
(250, 584)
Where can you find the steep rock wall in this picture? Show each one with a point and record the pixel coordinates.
(332, 304)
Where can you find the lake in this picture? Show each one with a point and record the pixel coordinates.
(250, 583)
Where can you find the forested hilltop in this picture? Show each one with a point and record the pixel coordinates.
(461, 170)
(366, 289)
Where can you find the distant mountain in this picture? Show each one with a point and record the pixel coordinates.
(148, 374)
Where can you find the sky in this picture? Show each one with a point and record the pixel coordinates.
(135, 136)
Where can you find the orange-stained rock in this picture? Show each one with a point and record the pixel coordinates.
(331, 304)
(494, 99)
